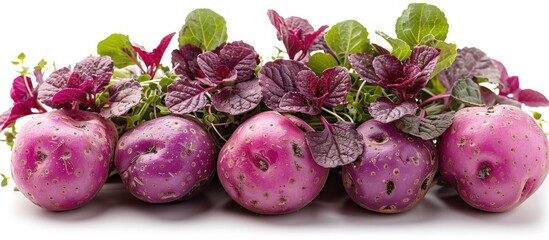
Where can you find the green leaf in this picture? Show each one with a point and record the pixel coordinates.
(203, 28)
(41, 64)
(144, 77)
(537, 115)
(346, 38)
(420, 20)
(21, 57)
(118, 47)
(4, 180)
(467, 91)
(448, 52)
(401, 49)
(15, 62)
(320, 62)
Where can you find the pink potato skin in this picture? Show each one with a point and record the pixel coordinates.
(166, 159)
(494, 157)
(395, 171)
(60, 159)
(267, 168)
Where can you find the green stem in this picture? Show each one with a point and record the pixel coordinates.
(218, 133)
(339, 118)
(359, 90)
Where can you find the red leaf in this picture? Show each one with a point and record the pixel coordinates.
(21, 89)
(18, 110)
(532, 98)
(69, 95)
(152, 59)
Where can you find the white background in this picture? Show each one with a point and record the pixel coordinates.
(64, 32)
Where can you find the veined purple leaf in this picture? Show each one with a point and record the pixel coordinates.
(385, 111)
(185, 61)
(362, 63)
(297, 102)
(123, 96)
(339, 85)
(184, 96)
(331, 88)
(240, 56)
(19, 109)
(53, 84)
(70, 95)
(532, 98)
(239, 99)
(74, 81)
(211, 66)
(298, 24)
(276, 78)
(93, 66)
(425, 58)
(470, 63)
(388, 69)
(337, 145)
(21, 89)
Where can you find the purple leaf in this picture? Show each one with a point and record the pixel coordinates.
(216, 72)
(427, 128)
(240, 56)
(330, 89)
(532, 98)
(93, 67)
(19, 109)
(296, 33)
(470, 63)
(297, 102)
(21, 89)
(404, 80)
(184, 96)
(123, 96)
(339, 85)
(298, 24)
(276, 79)
(239, 99)
(53, 84)
(388, 69)
(362, 63)
(70, 95)
(74, 81)
(425, 58)
(385, 111)
(490, 98)
(209, 64)
(338, 144)
(502, 70)
(185, 61)
(311, 86)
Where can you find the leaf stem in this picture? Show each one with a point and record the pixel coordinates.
(218, 133)
(434, 98)
(339, 118)
(359, 90)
